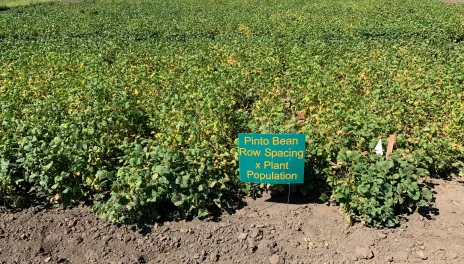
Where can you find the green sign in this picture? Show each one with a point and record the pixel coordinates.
(271, 158)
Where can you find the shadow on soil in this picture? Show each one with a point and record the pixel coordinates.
(427, 212)
(145, 226)
(294, 199)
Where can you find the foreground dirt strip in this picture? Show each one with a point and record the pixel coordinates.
(262, 232)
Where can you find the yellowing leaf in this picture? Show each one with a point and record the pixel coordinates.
(212, 184)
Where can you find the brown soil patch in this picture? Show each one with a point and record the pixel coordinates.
(262, 232)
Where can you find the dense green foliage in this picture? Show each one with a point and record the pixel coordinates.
(136, 105)
(376, 188)
(6, 4)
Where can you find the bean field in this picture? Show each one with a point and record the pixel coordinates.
(135, 106)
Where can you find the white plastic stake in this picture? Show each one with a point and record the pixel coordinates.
(378, 148)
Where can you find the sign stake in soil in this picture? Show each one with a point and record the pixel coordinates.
(254, 196)
(288, 198)
(391, 142)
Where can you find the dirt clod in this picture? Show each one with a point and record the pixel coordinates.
(275, 259)
(421, 254)
(382, 235)
(363, 252)
(255, 233)
(242, 236)
(72, 223)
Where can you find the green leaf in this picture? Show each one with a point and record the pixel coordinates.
(202, 212)
(48, 166)
(363, 188)
(324, 198)
(427, 194)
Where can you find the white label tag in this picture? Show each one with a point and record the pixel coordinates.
(378, 148)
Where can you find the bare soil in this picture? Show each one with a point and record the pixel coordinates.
(265, 231)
